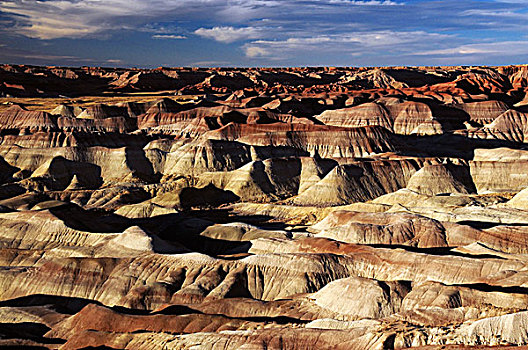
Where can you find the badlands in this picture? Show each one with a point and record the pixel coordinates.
(293, 208)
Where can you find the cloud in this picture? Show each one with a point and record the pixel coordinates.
(256, 51)
(209, 63)
(169, 36)
(271, 31)
(53, 19)
(368, 3)
(353, 44)
(115, 61)
(229, 34)
(489, 49)
(71, 18)
(41, 57)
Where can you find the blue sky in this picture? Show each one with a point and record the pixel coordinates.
(128, 33)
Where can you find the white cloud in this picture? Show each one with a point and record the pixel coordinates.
(352, 44)
(115, 61)
(169, 36)
(209, 63)
(229, 34)
(368, 3)
(489, 49)
(495, 13)
(68, 18)
(53, 19)
(255, 51)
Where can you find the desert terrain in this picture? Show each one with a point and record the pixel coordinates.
(265, 208)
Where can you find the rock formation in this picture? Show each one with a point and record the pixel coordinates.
(285, 208)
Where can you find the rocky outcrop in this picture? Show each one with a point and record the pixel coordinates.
(19, 118)
(484, 112)
(365, 114)
(358, 182)
(441, 179)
